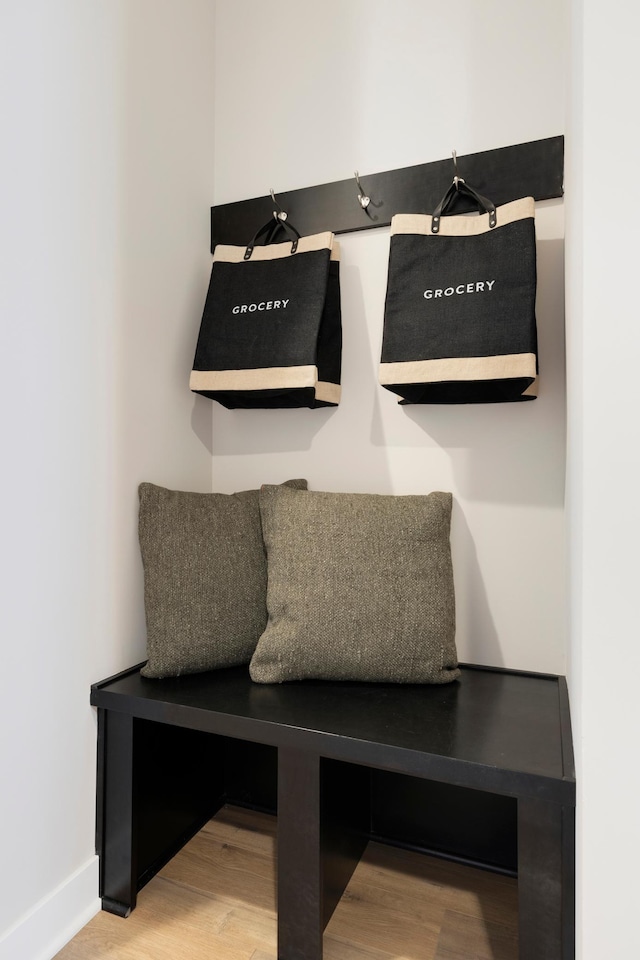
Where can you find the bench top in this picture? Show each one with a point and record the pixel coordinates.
(498, 730)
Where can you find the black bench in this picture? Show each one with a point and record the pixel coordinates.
(168, 760)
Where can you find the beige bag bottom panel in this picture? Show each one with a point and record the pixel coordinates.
(266, 378)
(459, 368)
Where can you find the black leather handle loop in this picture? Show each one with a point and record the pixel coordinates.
(448, 201)
(278, 224)
(270, 228)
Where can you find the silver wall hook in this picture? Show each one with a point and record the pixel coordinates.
(363, 199)
(456, 178)
(278, 214)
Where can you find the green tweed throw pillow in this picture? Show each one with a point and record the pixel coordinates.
(360, 588)
(205, 578)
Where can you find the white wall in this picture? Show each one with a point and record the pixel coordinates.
(306, 93)
(604, 470)
(106, 173)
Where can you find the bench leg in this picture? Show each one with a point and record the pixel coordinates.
(300, 909)
(116, 821)
(345, 797)
(158, 785)
(545, 880)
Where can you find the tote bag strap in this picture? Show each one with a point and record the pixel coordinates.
(448, 201)
(269, 230)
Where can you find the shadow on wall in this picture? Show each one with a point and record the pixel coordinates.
(201, 422)
(238, 432)
(476, 635)
(511, 452)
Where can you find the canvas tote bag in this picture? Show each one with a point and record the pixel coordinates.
(459, 322)
(271, 331)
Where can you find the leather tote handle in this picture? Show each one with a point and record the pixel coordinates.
(269, 230)
(460, 187)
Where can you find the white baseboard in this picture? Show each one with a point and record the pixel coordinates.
(55, 919)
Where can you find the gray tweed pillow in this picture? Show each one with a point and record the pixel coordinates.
(360, 588)
(205, 578)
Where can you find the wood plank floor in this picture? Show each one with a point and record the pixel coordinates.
(216, 900)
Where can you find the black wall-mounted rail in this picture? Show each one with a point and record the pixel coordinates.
(532, 169)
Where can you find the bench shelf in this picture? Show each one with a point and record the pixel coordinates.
(167, 762)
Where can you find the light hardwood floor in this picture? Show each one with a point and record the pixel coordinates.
(216, 900)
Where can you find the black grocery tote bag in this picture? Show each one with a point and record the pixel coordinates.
(459, 322)
(271, 331)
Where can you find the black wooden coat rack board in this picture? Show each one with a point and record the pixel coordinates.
(532, 169)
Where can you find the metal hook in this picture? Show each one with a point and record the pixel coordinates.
(278, 214)
(363, 200)
(456, 178)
